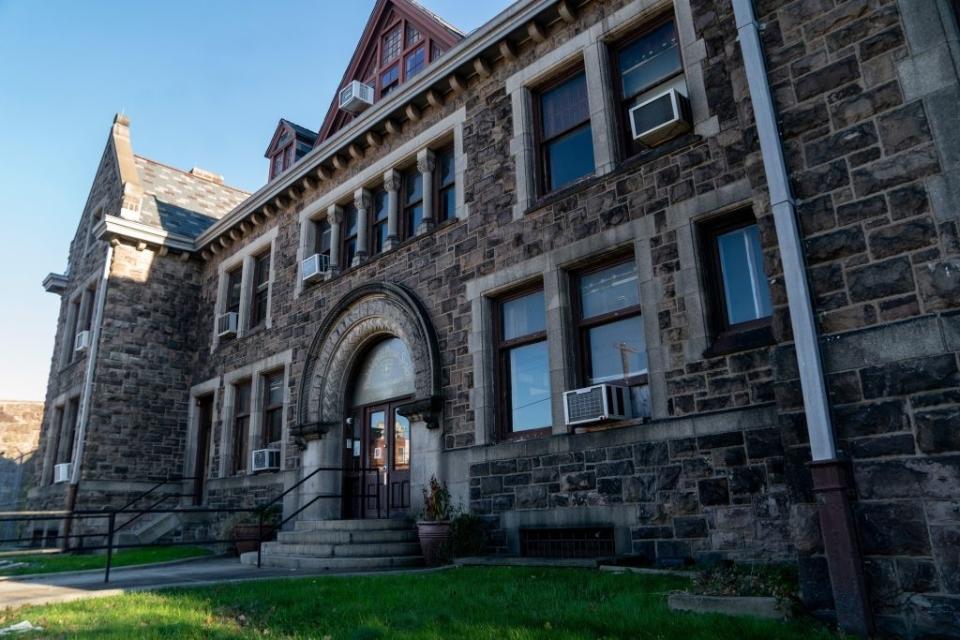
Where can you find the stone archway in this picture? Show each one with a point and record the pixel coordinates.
(364, 316)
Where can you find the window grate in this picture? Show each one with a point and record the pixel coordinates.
(576, 542)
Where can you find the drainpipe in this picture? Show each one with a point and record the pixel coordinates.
(86, 395)
(828, 471)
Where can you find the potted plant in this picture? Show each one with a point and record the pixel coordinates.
(434, 527)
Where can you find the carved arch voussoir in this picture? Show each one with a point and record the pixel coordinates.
(362, 317)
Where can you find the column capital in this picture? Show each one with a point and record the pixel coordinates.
(426, 161)
(362, 198)
(391, 180)
(334, 214)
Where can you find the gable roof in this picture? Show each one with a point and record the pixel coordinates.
(427, 22)
(183, 202)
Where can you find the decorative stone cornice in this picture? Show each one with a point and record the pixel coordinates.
(115, 227)
(426, 410)
(55, 283)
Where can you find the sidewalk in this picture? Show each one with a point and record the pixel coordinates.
(64, 587)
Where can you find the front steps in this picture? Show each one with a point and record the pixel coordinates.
(342, 545)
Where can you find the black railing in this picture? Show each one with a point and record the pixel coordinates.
(111, 515)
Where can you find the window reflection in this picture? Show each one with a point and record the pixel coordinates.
(386, 372)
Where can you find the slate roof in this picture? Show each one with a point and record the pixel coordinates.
(180, 202)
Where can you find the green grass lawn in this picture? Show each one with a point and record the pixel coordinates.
(57, 562)
(470, 603)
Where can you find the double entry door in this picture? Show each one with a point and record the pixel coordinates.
(377, 462)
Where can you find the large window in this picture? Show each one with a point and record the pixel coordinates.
(391, 46)
(641, 64)
(524, 372)
(565, 137)
(241, 426)
(446, 185)
(412, 214)
(348, 233)
(234, 290)
(611, 342)
(68, 422)
(378, 217)
(261, 290)
(272, 407)
(416, 61)
(738, 291)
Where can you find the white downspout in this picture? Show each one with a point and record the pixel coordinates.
(819, 426)
(830, 484)
(85, 397)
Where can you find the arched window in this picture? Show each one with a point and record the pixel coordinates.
(386, 372)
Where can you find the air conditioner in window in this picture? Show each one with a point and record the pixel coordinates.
(315, 268)
(227, 324)
(596, 403)
(82, 341)
(356, 96)
(660, 118)
(265, 460)
(61, 472)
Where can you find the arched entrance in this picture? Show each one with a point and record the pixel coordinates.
(376, 436)
(374, 359)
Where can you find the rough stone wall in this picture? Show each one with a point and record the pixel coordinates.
(138, 418)
(19, 437)
(882, 254)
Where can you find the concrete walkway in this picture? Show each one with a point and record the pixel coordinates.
(64, 587)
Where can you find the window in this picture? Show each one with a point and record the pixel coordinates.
(739, 303)
(641, 64)
(566, 140)
(391, 46)
(68, 422)
(261, 289)
(523, 368)
(348, 246)
(413, 35)
(321, 235)
(234, 290)
(86, 322)
(272, 407)
(412, 202)
(73, 319)
(612, 347)
(446, 177)
(416, 61)
(378, 222)
(390, 80)
(241, 426)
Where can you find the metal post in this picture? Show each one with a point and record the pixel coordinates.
(111, 522)
(259, 538)
(378, 494)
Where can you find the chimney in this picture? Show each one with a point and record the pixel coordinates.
(209, 176)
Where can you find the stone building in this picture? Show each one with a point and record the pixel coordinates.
(741, 217)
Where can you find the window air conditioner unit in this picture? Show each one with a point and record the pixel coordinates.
(356, 96)
(227, 324)
(61, 472)
(660, 118)
(266, 460)
(596, 403)
(82, 341)
(315, 267)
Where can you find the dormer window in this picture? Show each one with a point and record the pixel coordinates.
(290, 143)
(391, 45)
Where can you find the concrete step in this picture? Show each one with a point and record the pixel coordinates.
(343, 550)
(332, 564)
(322, 536)
(147, 528)
(353, 525)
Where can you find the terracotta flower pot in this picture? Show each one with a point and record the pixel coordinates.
(434, 536)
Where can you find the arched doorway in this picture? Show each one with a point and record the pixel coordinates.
(376, 437)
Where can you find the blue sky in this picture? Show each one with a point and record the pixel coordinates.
(203, 83)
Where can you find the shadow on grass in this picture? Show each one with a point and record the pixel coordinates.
(471, 603)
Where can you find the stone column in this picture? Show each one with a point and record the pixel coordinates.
(361, 200)
(391, 182)
(334, 217)
(426, 162)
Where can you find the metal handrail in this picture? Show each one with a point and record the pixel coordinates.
(260, 511)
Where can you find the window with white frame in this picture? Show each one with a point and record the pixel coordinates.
(246, 283)
(240, 432)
